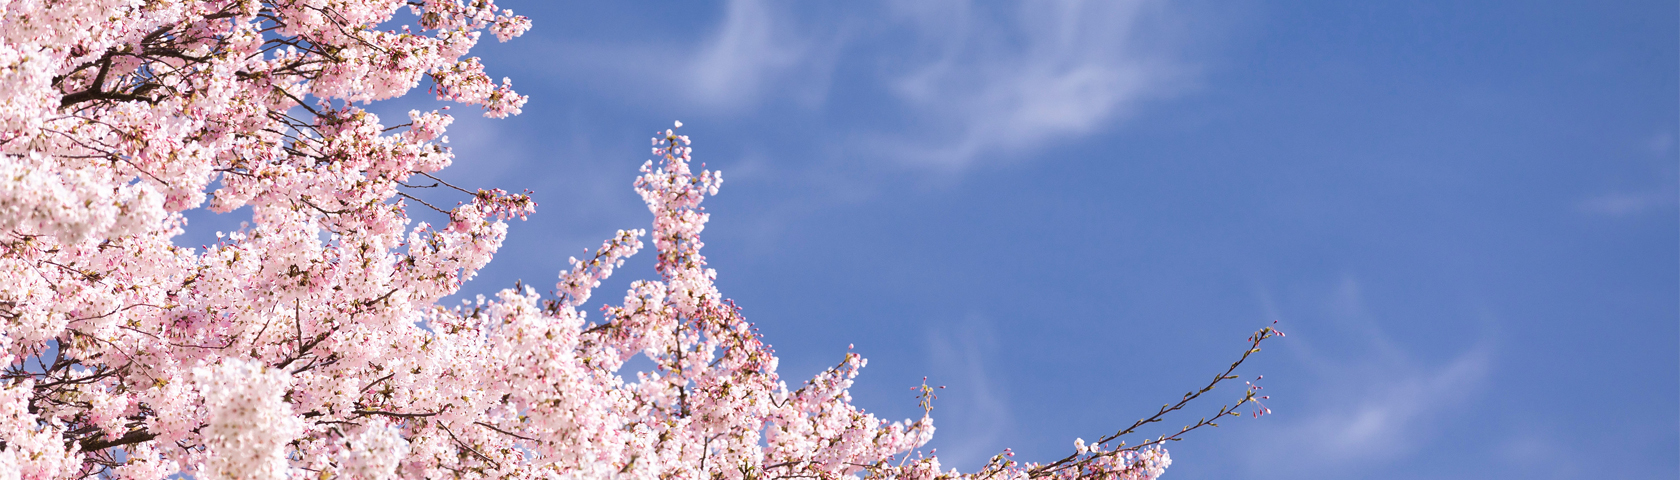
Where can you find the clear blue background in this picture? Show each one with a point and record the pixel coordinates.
(1462, 213)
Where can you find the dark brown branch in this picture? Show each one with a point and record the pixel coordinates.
(395, 414)
(1076, 460)
(131, 438)
(510, 434)
(304, 349)
(470, 449)
(423, 202)
(447, 184)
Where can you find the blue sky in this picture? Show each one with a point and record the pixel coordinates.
(1463, 213)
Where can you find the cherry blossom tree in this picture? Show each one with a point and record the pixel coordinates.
(311, 343)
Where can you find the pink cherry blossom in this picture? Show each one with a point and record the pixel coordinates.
(311, 343)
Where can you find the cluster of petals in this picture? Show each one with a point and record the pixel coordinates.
(311, 342)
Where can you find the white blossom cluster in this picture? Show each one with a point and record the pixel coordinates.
(247, 425)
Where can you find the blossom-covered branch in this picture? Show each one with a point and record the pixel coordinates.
(310, 342)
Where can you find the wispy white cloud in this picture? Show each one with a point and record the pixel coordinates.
(1542, 456)
(1379, 413)
(758, 47)
(1620, 204)
(752, 53)
(757, 51)
(957, 81)
(1006, 81)
(1661, 192)
(1370, 402)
